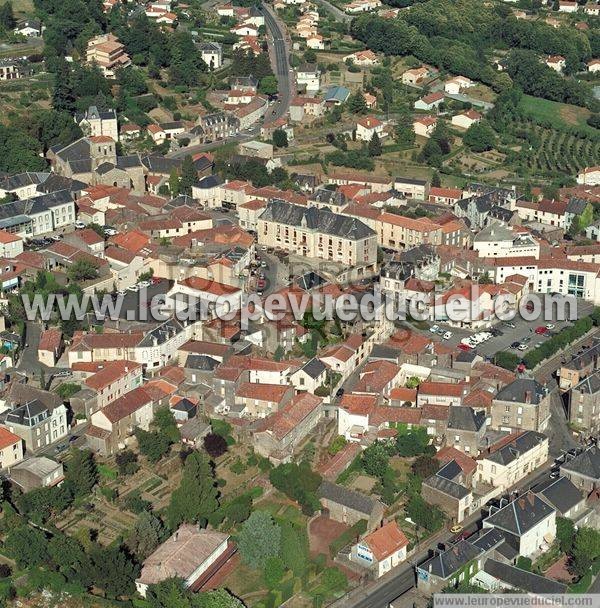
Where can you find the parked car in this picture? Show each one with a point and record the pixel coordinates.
(541, 330)
(522, 347)
(509, 324)
(79, 225)
(447, 335)
(133, 288)
(434, 329)
(515, 345)
(550, 326)
(465, 347)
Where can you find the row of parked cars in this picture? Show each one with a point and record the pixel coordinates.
(43, 242)
(108, 230)
(139, 285)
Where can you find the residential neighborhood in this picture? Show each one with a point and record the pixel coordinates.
(299, 302)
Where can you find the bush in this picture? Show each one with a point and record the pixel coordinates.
(348, 536)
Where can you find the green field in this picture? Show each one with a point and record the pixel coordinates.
(560, 115)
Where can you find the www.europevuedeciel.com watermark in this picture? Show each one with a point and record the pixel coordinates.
(365, 306)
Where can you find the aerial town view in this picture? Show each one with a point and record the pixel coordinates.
(299, 303)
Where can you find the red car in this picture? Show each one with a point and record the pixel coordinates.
(464, 347)
(541, 330)
(261, 283)
(521, 368)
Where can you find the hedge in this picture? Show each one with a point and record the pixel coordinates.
(558, 342)
(345, 538)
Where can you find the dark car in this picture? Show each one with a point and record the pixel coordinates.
(339, 392)
(515, 345)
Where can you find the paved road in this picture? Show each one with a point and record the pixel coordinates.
(279, 48)
(338, 14)
(247, 135)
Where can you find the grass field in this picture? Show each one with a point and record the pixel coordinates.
(559, 115)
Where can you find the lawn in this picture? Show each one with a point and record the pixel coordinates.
(106, 472)
(560, 115)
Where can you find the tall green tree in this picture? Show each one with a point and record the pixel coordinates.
(280, 138)
(197, 496)
(148, 532)
(27, 546)
(81, 474)
(374, 146)
(356, 103)
(189, 176)
(7, 16)
(259, 539)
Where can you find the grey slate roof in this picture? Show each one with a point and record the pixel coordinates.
(521, 579)
(451, 470)
(586, 464)
(321, 220)
(520, 445)
(489, 539)
(589, 385)
(210, 181)
(348, 498)
(28, 414)
(446, 486)
(55, 183)
(201, 362)
(20, 180)
(577, 206)
(561, 493)
(520, 390)
(447, 563)
(314, 368)
(464, 418)
(521, 515)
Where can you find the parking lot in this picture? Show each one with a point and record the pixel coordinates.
(523, 330)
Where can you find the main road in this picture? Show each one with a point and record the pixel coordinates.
(279, 47)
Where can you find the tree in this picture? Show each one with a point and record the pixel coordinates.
(7, 17)
(356, 103)
(411, 443)
(148, 532)
(153, 444)
(310, 56)
(170, 593)
(189, 176)
(585, 549)
(565, 534)
(174, 183)
(82, 270)
(337, 444)
(197, 496)
(268, 85)
(164, 421)
(259, 539)
(425, 466)
(479, 137)
(215, 445)
(127, 462)
(423, 514)
(219, 598)
(436, 182)
(375, 459)
(27, 546)
(114, 570)
(280, 138)
(81, 474)
(299, 483)
(374, 146)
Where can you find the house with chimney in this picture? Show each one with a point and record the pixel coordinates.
(522, 405)
(381, 550)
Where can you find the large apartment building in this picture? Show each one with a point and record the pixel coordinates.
(108, 54)
(522, 405)
(317, 233)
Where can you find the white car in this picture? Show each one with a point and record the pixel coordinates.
(522, 346)
(550, 326)
(121, 292)
(486, 335)
(79, 225)
(110, 232)
(133, 288)
(467, 342)
(447, 335)
(434, 329)
(143, 284)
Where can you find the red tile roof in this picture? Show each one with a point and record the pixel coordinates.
(7, 438)
(466, 463)
(50, 340)
(291, 415)
(273, 393)
(110, 373)
(386, 540)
